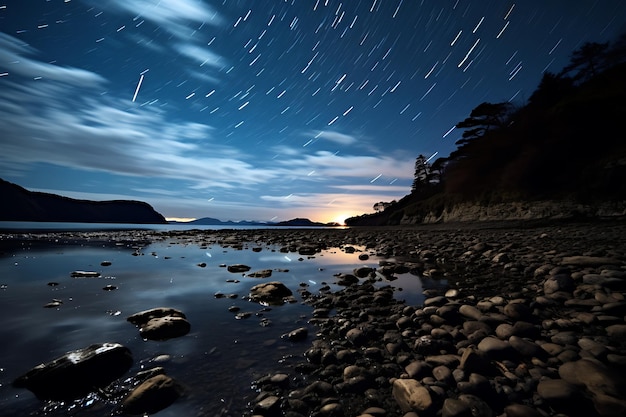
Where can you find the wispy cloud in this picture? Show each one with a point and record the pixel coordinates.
(333, 136)
(59, 120)
(16, 55)
(336, 165)
(172, 15)
(201, 54)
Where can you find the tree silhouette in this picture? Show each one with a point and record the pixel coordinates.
(587, 61)
(483, 118)
(551, 89)
(422, 173)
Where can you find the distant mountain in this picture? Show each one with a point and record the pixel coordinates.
(23, 205)
(298, 222)
(210, 221)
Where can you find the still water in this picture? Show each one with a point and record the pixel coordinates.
(216, 361)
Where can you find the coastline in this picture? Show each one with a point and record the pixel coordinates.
(527, 305)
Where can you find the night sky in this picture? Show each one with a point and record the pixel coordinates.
(265, 109)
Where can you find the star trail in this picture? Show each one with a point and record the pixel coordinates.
(263, 109)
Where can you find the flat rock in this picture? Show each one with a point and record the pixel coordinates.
(264, 273)
(77, 373)
(238, 268)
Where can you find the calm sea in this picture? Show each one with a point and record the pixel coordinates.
(216, 361)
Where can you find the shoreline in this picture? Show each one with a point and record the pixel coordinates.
(527, 307)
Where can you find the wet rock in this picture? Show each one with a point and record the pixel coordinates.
(297, 335)
(363, 271)
(152, 395)
(161, 323)
(165, 328)
(273, 292)
(269, 406)
(410, 395)
(307, 250)
(238, 268)
(264, 273)
(77, 373)
(143, 317)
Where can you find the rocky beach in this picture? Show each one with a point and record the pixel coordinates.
(518, 319)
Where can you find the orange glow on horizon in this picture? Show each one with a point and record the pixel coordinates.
(180, 219)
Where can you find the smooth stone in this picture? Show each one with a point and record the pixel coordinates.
(470, 312)
(447, 360)
(496, 348)
(560, 394)
(298, 334)
(77, 373)
(455, 408)
(594, 376)
(527, 348)
(269, 406)
(473, 361)
(560, 282)
(152, 396)
(479, 407)
(517, 311)
(418, 369)
(520, 410)
(565, 338)
(410, 395)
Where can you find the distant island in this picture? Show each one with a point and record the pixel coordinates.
(30, 206)
(297, 222)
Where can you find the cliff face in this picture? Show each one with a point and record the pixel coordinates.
(20, 204)
(528, 210)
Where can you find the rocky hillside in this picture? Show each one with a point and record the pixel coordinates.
(562, 154)
(20, 204)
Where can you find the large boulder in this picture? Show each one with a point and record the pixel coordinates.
(273, 293)
(77, 373)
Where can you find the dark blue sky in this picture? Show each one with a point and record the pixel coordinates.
(266, 109)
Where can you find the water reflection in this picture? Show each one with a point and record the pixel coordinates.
(219, 357)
